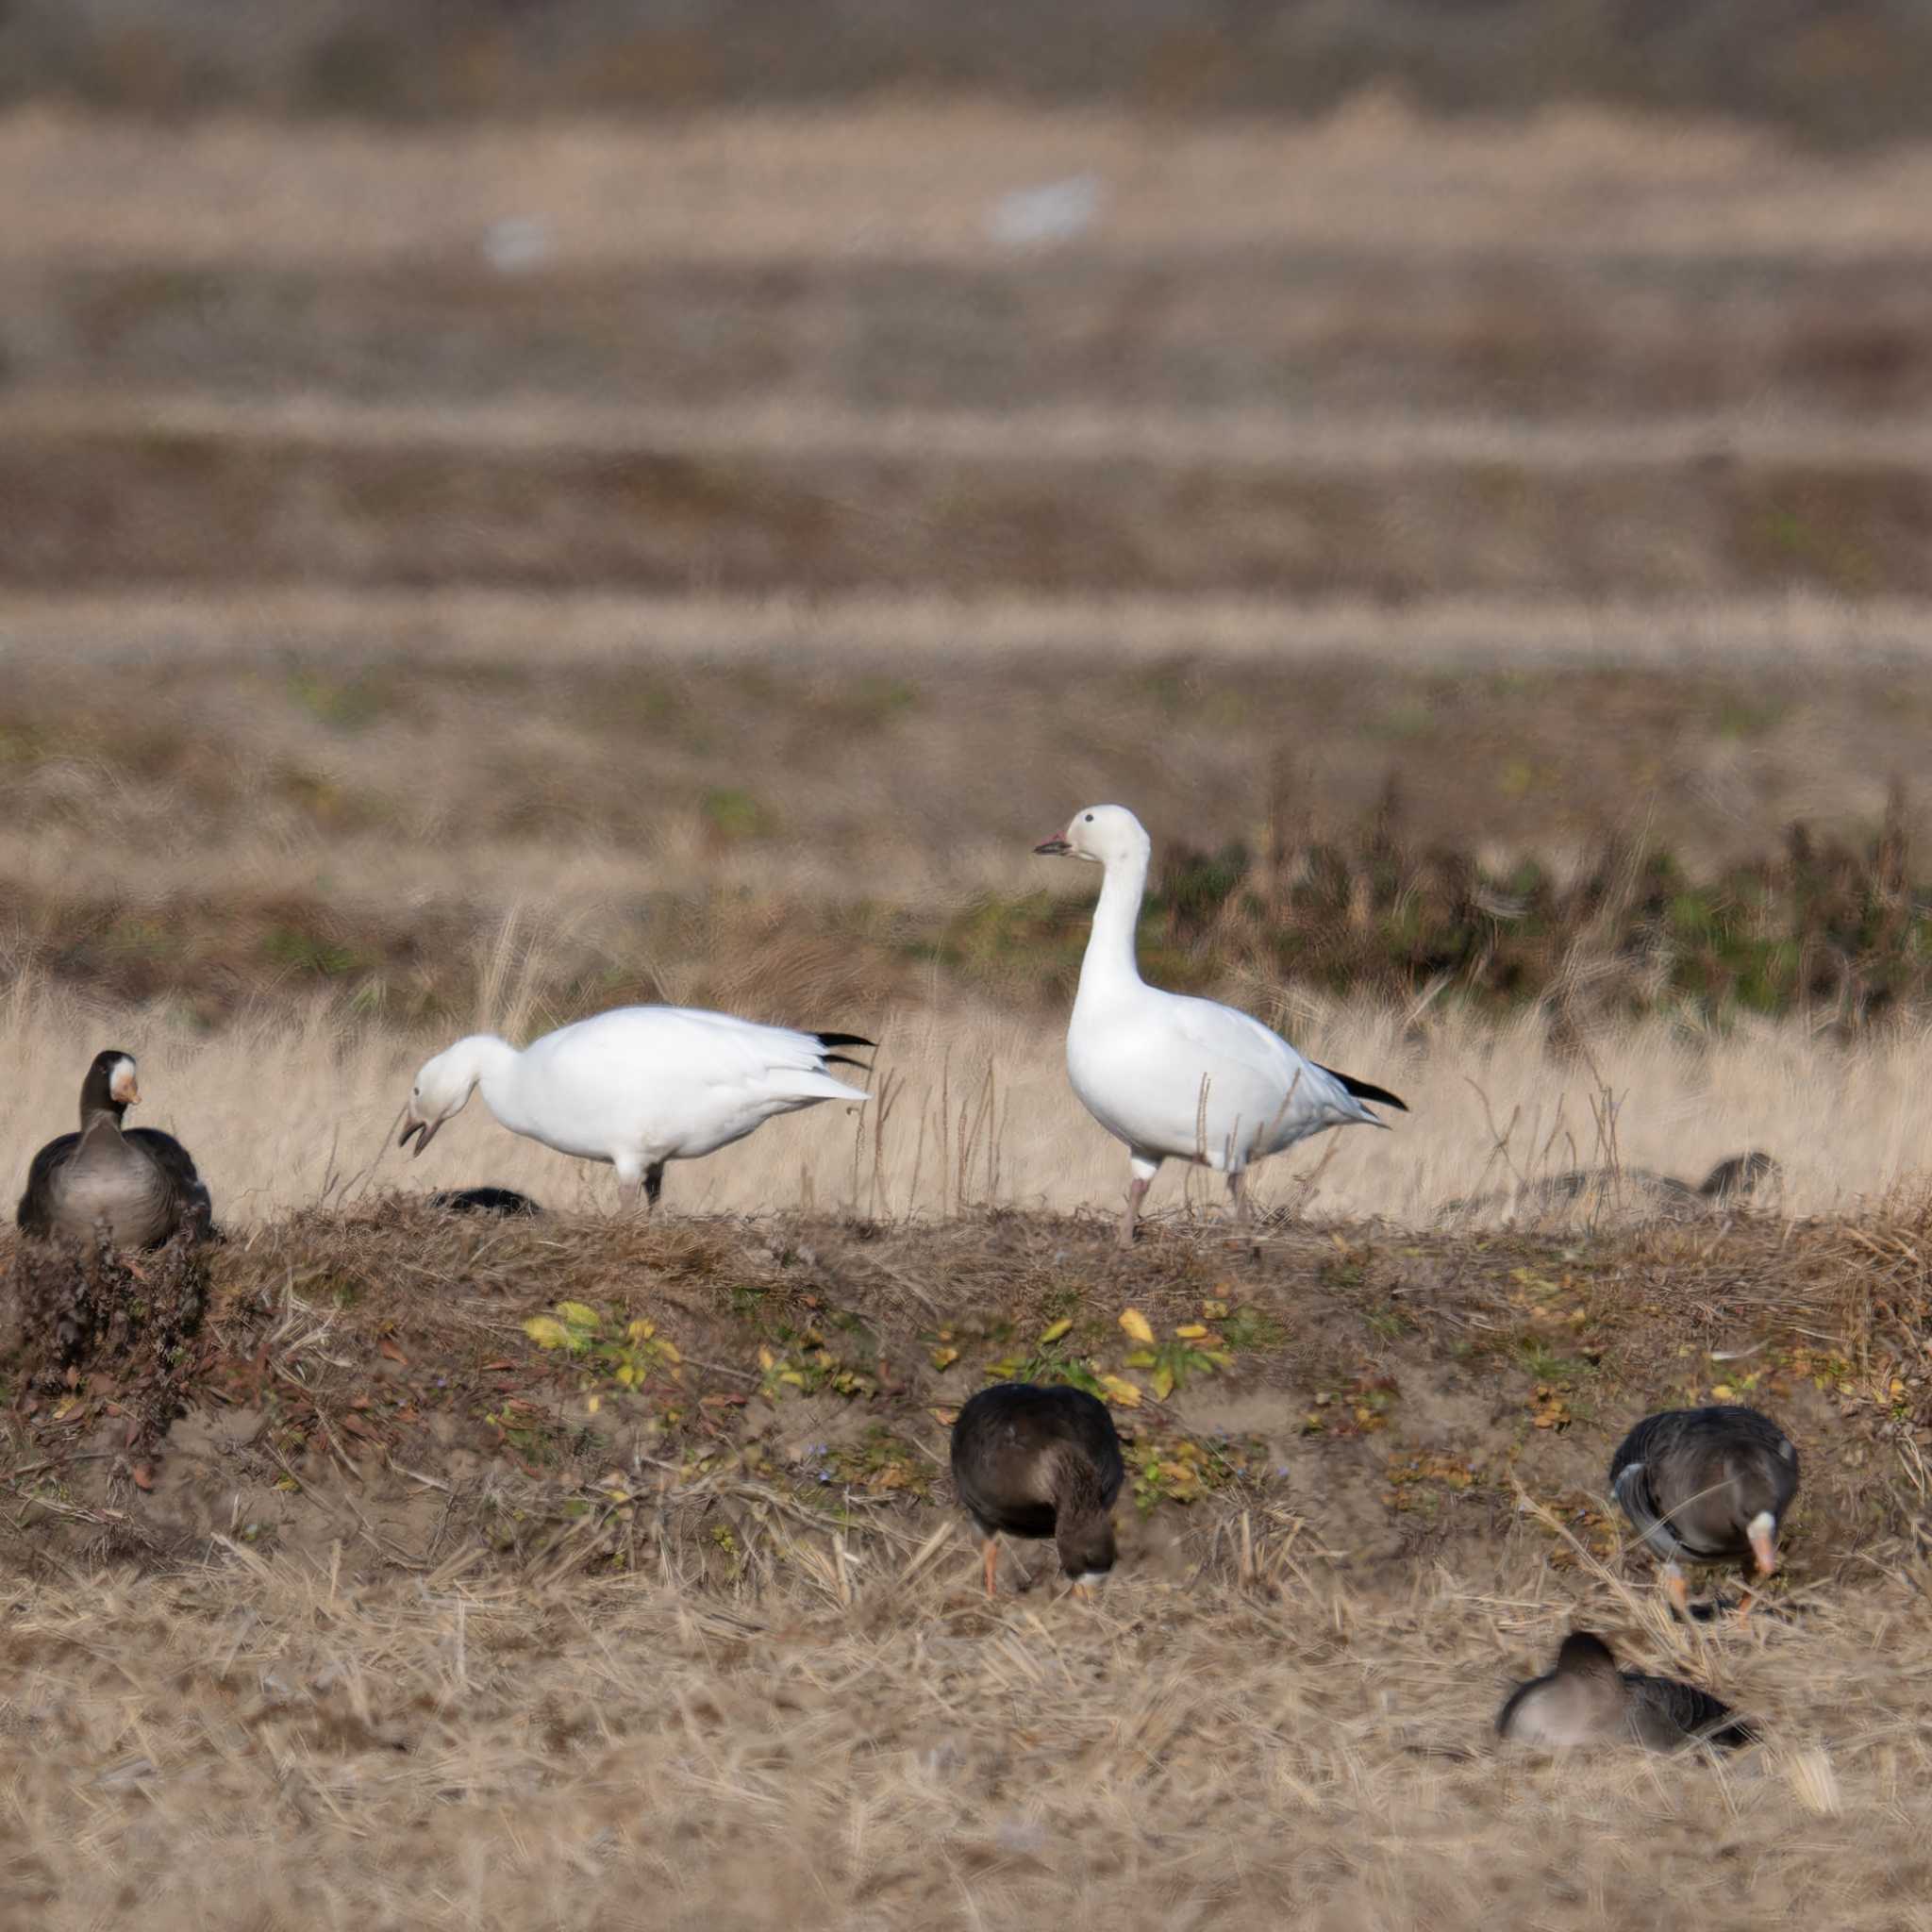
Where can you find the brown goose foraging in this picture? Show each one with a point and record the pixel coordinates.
(1587, 1700)
(1706, 1486)
(136, 1187)
(1036, 1461)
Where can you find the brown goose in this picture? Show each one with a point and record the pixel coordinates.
(503, 1201)
(135, 1187)
(1587, 1700)
(1706, 1486)
(1038, 1461)
(1634, 1193)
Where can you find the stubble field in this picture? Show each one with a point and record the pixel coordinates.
(1490, 560)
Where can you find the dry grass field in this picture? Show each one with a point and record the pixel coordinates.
(1491, 558)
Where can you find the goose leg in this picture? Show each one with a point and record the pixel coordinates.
(990, 1553)
(1238, 1197)
(653, 1182)
(1144, 1170)
(627, 1186)
(1677, 1590)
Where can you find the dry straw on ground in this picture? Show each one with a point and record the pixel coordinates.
(974, 1109)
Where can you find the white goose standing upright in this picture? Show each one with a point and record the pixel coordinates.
(635, 1087)
(1175, 1077)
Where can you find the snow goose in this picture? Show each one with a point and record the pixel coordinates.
(1038, 1461)
(136, 1187)
(1587, 1700)
(1179, 1078)
(635, 1087)
(1706, 1486)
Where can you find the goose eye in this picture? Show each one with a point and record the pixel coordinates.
(1089, 818)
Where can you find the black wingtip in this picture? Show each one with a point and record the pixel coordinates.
(1367, 1090)
(845, 1059)
(843, 1040)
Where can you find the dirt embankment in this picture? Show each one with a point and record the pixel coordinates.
(729, 1401)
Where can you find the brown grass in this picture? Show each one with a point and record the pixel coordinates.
(372, 1664)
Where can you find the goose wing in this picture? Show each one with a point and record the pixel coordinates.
(195, 1207)
(35, 1213)
(1295, 1094)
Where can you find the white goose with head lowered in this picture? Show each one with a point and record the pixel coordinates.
(635, 1087)
(1175, 1077)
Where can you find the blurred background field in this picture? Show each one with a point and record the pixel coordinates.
(506, 510)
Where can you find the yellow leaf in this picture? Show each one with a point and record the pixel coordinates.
(1121, 1390)
(547, 1332)
(792, 1376)
(668, 1350)
(767, 1359)
(1214, 1310)
(578, 1314)
(1135, 1323)
(641, 1331)
(945, 1357)
(1142, 1359)
(1054, 1330)
(1163, 1384)
(1898, 1388)
(593, 1403)
(1190, 1331)
(1723, 1391)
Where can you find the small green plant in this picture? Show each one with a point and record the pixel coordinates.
(629, 1356)
(735, 814)
(1049, 1361)
(808, 1368)
(1170, 1364)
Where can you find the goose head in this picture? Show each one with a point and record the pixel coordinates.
(1086, 1543)
(109, 1086)
(443, 1086)
(1758, 1496)
(1105, 834)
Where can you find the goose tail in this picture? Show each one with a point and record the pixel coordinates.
(1367, 1090)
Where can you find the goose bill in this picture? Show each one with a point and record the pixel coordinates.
(426, 1129)
(1055, 847)
(1763, 1534)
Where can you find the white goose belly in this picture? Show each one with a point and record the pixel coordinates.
(1161, 1101)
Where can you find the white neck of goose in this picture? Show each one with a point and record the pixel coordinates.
(1111, 958)
(486, 1061)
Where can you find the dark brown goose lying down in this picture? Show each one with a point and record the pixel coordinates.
(1038, 1461)
(1634, 1193)
(137, 1186)
(1587, 1700)
(504, 1201)
(1706, 1486)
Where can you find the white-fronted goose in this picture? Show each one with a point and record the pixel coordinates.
(1036, 1461)
(136, 1186)
(635, 1087)
(504, 1201)
(1176, 1077)
(1635, 1193)
(1587, 1700)
(1706, 1486)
